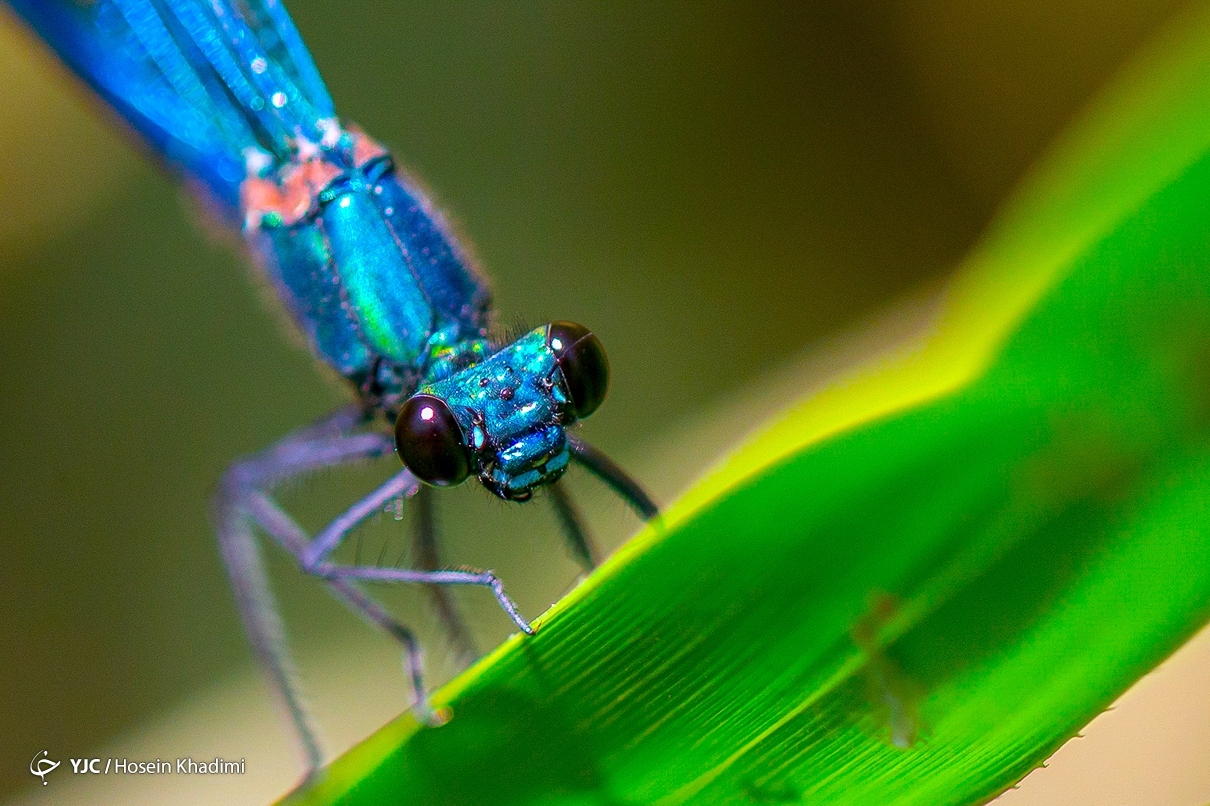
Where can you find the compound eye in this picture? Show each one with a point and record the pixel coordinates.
(581, 357)
(429, 441)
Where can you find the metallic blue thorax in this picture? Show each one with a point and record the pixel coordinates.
(228, 95)
(372, 276)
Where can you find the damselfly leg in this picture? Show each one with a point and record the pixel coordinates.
(582, 546)
(371, 274)
(426, 555)
(245, 502)
(614, 476)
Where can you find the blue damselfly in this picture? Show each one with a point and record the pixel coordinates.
(227, 94)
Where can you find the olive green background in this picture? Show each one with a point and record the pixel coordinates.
(711, 187)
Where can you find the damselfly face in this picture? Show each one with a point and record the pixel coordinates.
(370, 272)
(503, 419)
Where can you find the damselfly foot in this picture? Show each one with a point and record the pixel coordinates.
(245, 503)
(373, 277)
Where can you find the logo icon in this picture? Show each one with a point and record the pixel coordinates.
(41, 766)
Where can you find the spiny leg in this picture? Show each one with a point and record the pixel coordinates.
(258, 609)
(582, 546)
(426, 556)
(330, 441)
(413, 660)
(314, 557)
(613, 475)
(288, 534)
(244, 499)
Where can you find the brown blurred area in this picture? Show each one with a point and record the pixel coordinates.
(713, 188)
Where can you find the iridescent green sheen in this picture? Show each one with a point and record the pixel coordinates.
(369, 270)
(307, 280)
(512, 408)
(392, 312)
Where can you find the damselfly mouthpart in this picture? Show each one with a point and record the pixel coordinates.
(367, 268)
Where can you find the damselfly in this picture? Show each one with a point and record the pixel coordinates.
(226, 92)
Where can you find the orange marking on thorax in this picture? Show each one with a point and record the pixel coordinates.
(365, 148)
(292, 196)
(292, 192)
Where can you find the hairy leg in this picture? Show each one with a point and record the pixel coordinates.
(328, 442)
(582, 546)
(613, 475)
(426, 556)
(244, 502)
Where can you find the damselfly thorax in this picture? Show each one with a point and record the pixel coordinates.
(369, 271)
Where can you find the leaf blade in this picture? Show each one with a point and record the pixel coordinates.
(972, 548)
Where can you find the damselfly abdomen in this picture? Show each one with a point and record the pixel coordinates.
(227, 94)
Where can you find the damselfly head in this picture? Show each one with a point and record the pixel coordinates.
(503, 419)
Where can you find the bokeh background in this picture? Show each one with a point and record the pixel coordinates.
(714, 188)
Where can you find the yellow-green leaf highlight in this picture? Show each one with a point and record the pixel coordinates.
(915, 585)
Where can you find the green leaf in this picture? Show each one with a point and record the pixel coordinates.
(917, 584)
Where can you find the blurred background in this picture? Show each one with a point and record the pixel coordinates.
(714, 188)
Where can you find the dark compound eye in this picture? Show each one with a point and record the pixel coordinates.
(585, 369)
(429, 441)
